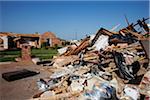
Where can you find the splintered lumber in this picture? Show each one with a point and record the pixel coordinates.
(145, 84)
(64, 60)
(120, 83)
(106, 60)
(104, 31)
(135, 33)
(60, 89)
(90, 56)
(79, 48)
(56, 85)
(59, 96)
(139, 36)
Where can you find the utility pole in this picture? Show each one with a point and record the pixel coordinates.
(75, 35)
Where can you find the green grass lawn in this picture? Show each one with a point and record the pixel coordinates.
(42, 53)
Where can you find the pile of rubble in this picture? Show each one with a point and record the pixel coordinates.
(104, 66)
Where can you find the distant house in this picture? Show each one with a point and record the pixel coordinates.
(50, 40)
(10, 40)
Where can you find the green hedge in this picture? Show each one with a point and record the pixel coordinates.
(42, 53)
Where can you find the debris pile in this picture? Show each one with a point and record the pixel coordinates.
(107, 65)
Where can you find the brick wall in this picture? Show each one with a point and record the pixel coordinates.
(26, 52)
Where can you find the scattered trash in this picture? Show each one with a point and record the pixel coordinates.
(131, 92)
(101, 92)
(105, 66)
(42, 85)
(145, 84)
(48, 93)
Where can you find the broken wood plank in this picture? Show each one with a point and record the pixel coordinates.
(59, 96)
(79, 48)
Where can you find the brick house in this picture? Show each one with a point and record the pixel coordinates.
(50, 39)
(10, 40)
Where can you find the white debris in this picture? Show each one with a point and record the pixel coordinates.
(132, 92)
(35, 60)
(62, 50)
(48, 93)
(58, 74)
(77, 85)
(101, 42)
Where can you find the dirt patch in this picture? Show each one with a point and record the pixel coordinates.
(22, 89)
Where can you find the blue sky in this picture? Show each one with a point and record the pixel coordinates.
(68, 19)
